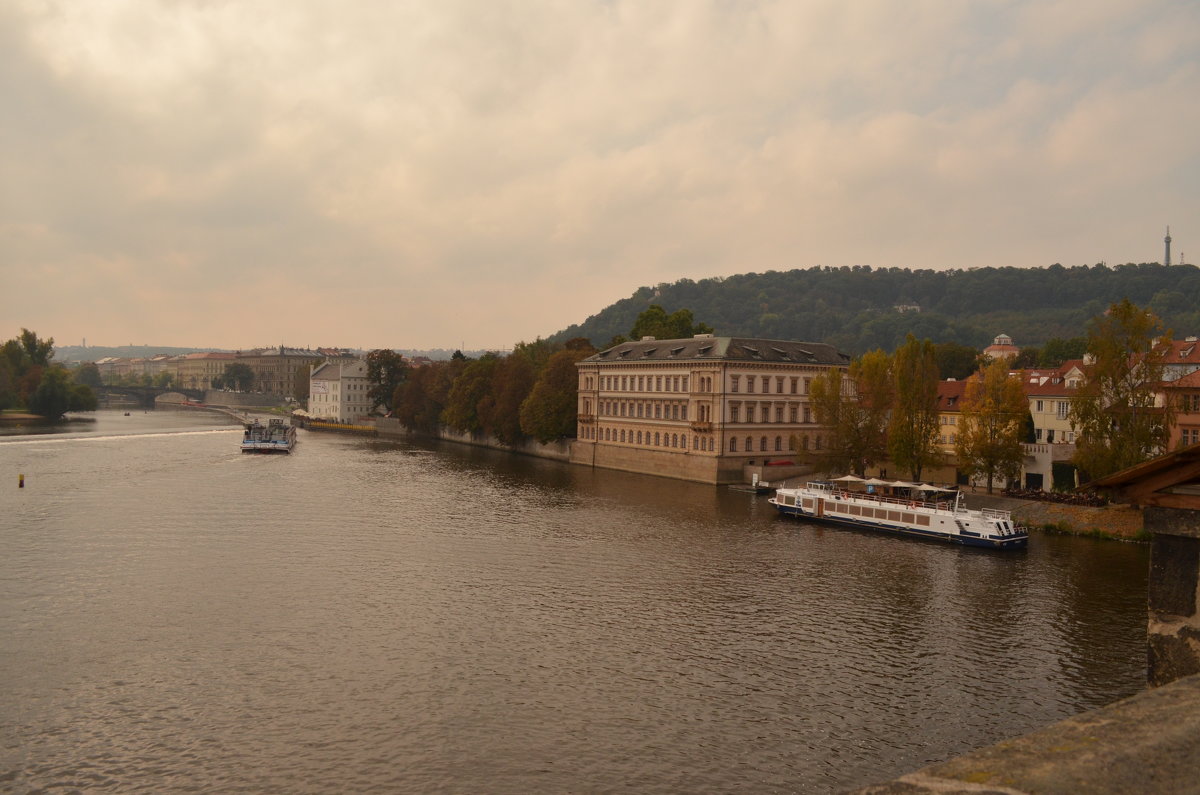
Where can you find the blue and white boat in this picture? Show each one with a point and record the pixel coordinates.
(940, 521)
(274, 437)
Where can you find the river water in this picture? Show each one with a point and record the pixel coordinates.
(378, 616)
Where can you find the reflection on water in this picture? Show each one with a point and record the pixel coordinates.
(416, 617)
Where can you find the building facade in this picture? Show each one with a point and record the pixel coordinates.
(197, 370)
(701, 408)
(275, 369)
(338, 391)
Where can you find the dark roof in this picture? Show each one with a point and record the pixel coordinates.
(1171, 480)
(746, 349)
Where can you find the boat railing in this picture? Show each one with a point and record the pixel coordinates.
(992, 513)
(886, 499)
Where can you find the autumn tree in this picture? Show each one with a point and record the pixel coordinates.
(855, 405)
(386, 370)
(1114, 410)
(550, 411)
(991, 425)
(419, 401)
(513, 380)
(470, 403)
(912, 432)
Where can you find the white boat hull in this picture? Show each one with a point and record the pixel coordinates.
(939, 522)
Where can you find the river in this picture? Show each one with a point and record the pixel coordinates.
(366, 615)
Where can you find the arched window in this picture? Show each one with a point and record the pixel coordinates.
(805, 443)
(674, 440)
(695, 442)
(818, 442)
(792, 443)
(762, 444)
(778, 443)
(622, 434)
(656, 440)
(710, 444)
(749, 445)
(733, 444)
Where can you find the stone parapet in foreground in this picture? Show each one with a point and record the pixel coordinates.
(1146, 743)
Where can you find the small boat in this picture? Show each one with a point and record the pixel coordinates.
(274, 437)
(942, 521)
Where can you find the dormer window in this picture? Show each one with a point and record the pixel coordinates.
(649, 351)
(677, 351)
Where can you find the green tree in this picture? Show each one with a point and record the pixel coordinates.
(421, 399)
(912, 432)
(655, 322)
(8, 384)
(386, 370)
(550, 411)
(52, 398)
(89, 375)
(37, 351)
(301, 382)
(855, 405)
(82, 398)
(164, 379)
(1056, 351)
(514, 378)
(237, 375)
(991, 425)
(956, 361)
(1113, 410)
(471, 400)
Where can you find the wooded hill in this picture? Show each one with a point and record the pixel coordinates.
(854, 308)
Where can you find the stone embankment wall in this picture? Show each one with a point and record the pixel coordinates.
(218, 397)
(558, 451)
(1120, 521)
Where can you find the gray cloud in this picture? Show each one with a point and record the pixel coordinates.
(430, 174)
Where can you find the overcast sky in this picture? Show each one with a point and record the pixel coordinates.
(479, 172)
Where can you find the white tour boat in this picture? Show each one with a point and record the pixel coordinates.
(942, 521)
(274, 437)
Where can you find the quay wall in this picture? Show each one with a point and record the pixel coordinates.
(556, 451)
(1119, 521)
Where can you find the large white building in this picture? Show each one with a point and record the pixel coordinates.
(701, 408)
(337, 391)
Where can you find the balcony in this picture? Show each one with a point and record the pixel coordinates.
(701, 427)
(586, 418)
(1055, 451)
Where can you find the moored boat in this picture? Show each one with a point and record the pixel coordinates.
(274, 437)
(941, 521)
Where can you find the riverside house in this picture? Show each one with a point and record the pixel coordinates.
(701, 409)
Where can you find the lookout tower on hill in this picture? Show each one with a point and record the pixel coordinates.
(1167, 253)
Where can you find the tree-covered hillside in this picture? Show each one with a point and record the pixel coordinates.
(855, 308)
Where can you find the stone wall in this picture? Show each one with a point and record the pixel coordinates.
(218, 397)
(1121, 521)
(1173, 631)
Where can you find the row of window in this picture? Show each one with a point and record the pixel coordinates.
(1190, 436)
(676, 441)
(644, 409)
(764, 381)
(1189, 402)
(641, 383)
(702, 443)
(756, 413)
(679, 383)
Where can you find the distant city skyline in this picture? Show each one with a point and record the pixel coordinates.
(475, 174)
